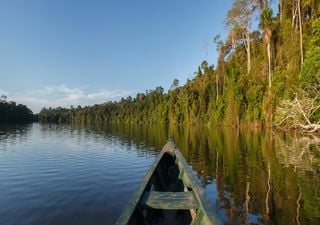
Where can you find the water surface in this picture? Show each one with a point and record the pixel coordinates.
(68, 174)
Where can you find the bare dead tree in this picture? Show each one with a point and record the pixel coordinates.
(298, 113)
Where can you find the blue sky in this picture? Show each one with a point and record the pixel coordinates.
(82, 52)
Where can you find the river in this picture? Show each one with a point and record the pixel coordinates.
(73, 174)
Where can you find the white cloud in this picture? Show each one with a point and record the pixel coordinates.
(3, 92)
(54, 96)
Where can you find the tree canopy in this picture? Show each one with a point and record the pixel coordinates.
(10, 112)
(257, 70)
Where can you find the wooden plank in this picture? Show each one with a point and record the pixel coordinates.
(170, 200)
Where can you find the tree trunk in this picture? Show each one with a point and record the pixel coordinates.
(217, 87)
(269, 62)
(300, 31)
(294, 13)
(248, 49)
(281, 10)
(217, 76)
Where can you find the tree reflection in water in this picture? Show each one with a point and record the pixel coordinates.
(251, 175)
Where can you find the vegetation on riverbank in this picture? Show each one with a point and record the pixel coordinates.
(257, 74)
(10, 112)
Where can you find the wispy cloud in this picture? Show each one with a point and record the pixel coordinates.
(54, 96)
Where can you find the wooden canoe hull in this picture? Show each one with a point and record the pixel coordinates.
(170, 193)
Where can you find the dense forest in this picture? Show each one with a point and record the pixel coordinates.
(10, 112)
(265, 76)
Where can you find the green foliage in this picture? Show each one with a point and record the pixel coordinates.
(10, 112)
(310, 73)
(229, 94)
(216, 112)
(266, 17)
(316, 32)
(254, 93)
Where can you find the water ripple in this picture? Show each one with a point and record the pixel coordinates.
(60, 176)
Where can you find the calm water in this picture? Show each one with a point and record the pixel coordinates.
(64, 175)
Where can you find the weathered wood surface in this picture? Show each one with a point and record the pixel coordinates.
(170, 200)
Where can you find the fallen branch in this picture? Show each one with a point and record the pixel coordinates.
(299, 113)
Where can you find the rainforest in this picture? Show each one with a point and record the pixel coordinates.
(268, 76)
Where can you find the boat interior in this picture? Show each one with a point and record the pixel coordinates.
(166, 199)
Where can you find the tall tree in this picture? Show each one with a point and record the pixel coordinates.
(281, 10)
(266, 24)
(297, 24)
(300, 32)
(220, 48)
(239, 22)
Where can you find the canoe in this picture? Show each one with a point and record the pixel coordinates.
(170, 193)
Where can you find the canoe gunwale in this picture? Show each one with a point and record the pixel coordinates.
(137, 194)
(193, 181)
